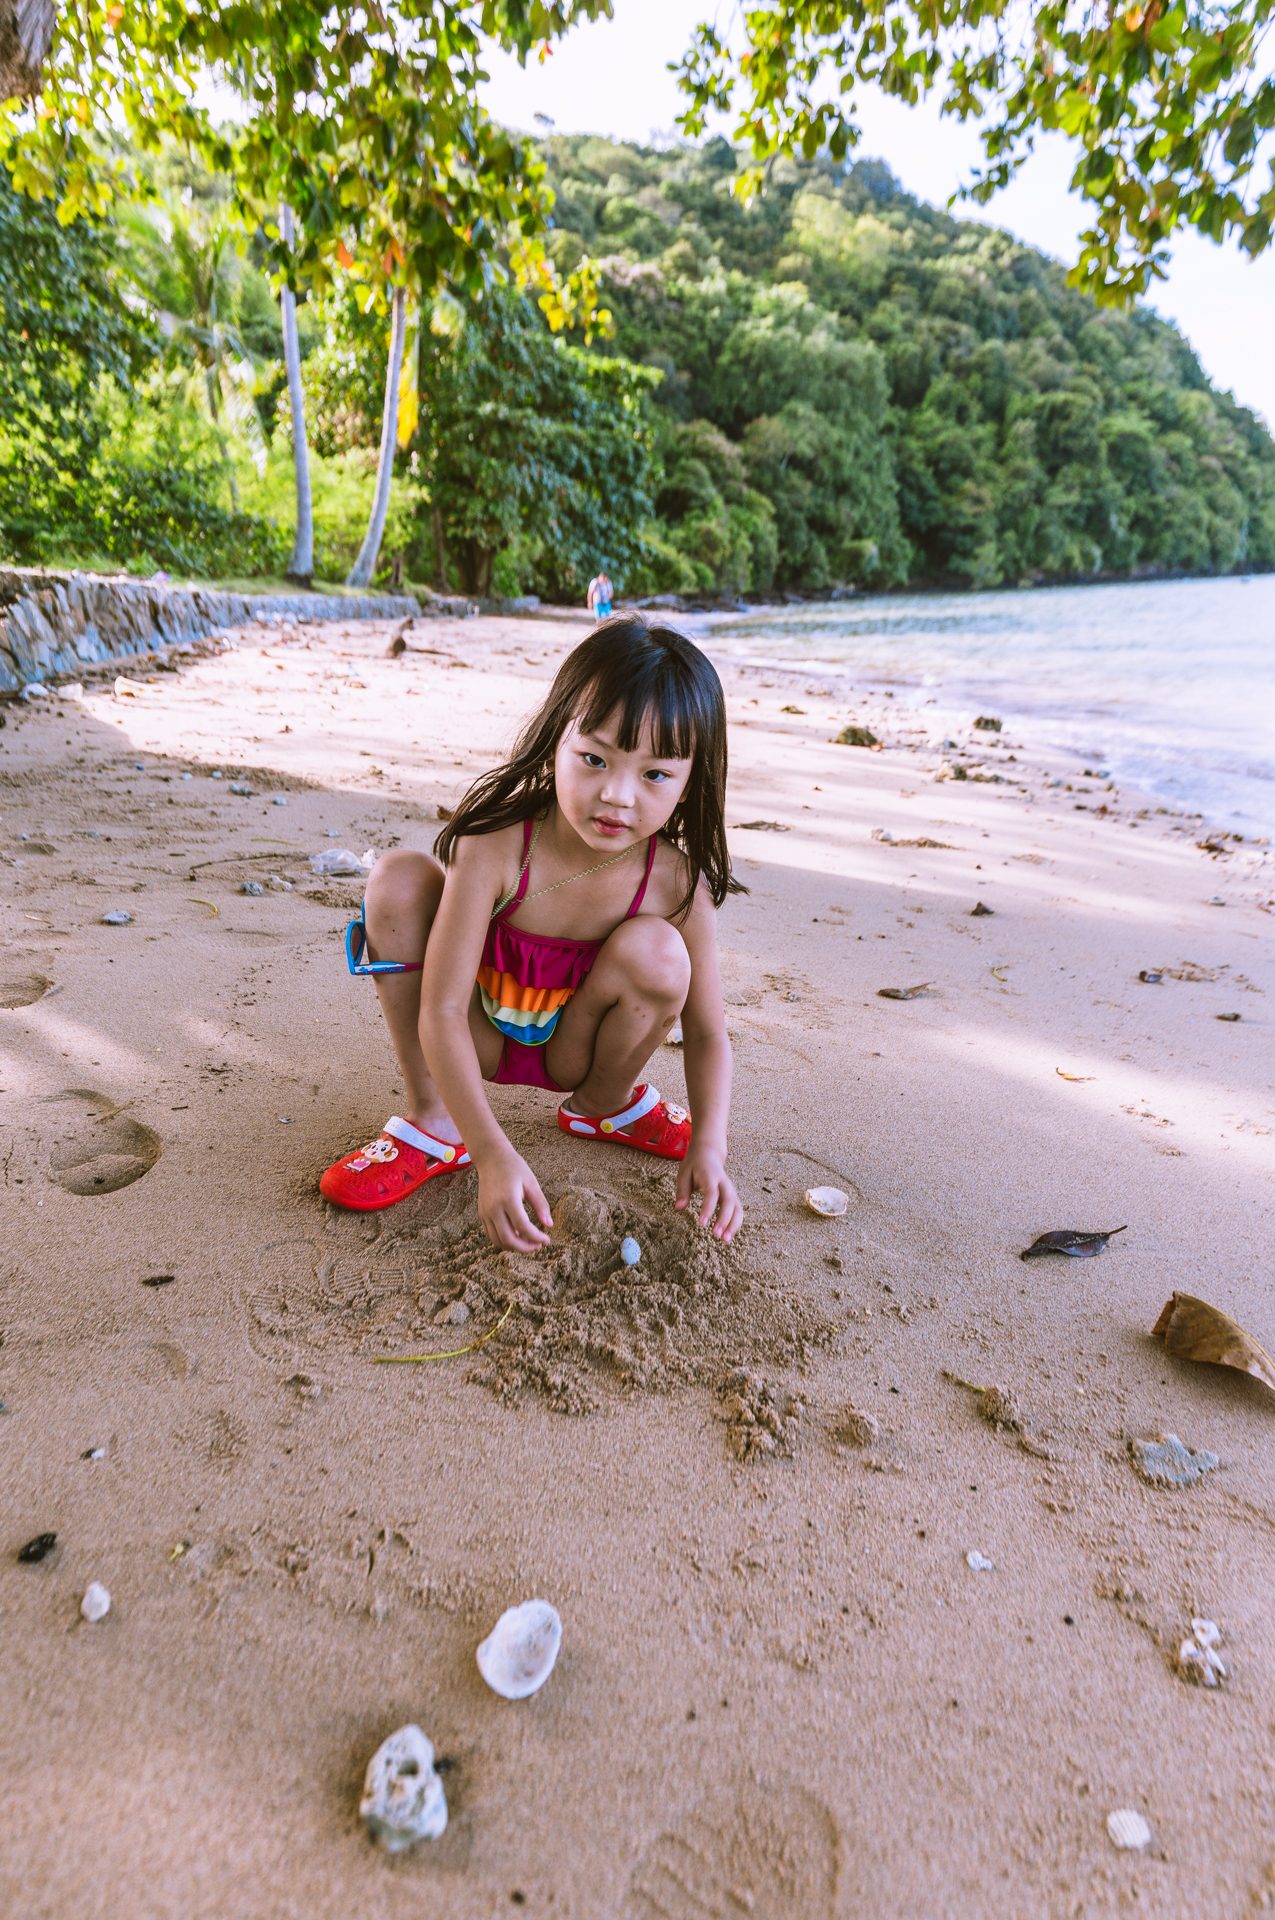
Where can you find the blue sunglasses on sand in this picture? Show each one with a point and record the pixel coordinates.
(356, 947)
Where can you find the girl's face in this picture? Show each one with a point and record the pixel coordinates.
(614, 799)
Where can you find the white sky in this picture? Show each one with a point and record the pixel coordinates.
(610, 77)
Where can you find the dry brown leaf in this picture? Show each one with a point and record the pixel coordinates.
(1079, 1243)
(1193, 1330)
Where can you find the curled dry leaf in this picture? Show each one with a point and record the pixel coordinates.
(1079, 1077)
(1193, 1330)
(1078, 1242)
(902, 993)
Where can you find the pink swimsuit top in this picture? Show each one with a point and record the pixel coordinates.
(526, 979)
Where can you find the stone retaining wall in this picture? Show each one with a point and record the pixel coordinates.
(54, 624)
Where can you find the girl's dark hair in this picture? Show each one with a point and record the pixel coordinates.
(641, 672)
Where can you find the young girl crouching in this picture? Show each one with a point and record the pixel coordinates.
(565, 924)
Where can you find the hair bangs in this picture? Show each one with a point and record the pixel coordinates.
(645, 690)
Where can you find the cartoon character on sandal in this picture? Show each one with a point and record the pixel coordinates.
(565, 921)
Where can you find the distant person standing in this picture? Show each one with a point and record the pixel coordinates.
(599, 599)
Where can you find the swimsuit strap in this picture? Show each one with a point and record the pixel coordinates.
(641, 892)
(514, 896)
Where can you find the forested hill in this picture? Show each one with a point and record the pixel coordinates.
(858, 387)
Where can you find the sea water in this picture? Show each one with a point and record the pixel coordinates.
(1169, 684)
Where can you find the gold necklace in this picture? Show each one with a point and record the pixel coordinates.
(601, 867)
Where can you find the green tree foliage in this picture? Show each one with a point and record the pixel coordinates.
(912, 396)
(1171, 107)
(531, 448)
(364, 132)
(63, 328)
(80, 471)
(719, 527)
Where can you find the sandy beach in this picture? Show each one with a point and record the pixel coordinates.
(749, 1479)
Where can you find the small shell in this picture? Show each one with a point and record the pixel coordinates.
(403, 1799)
(518, 1654)
(675, 1035)
(1199, 1659)
(828, 1201)
(630, 1251)
(1128, 1830)
(96, 1603)
(979, 1562)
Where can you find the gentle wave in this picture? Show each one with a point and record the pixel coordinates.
(1171, 684)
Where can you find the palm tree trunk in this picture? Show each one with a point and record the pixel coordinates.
(361, 571)
(26, 34)
(301, 565)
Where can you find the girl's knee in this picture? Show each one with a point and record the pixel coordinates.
(404, 881)
(655, 956)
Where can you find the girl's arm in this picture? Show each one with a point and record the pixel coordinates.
(507, 1187)
(707, 1056)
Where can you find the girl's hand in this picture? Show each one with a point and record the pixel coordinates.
(507, 1192)
(704, 1173)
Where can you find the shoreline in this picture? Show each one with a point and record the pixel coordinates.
(303, 1548)
(1128, 684)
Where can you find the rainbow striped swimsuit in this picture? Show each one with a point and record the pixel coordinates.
(526, 979)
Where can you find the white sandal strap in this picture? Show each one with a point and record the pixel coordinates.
(614, 1122)
(404, 1130)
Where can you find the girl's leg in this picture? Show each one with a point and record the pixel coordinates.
(402, 898)
(619, 1014)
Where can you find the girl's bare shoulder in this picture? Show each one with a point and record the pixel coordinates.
(489, 858)
(670, 876)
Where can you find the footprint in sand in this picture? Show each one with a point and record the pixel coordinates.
(22, 989)
(772, 1852)
(284, 1301)
(97, 1148)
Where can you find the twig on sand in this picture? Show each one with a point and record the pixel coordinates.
(414, 1359)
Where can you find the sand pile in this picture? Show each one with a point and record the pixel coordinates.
(581, 1326)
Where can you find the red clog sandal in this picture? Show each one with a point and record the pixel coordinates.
(390, 1167)
(652, 1125)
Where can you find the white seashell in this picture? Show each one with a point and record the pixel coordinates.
(403, 1799)
(675, 1035)
(1128, 1830)
(630, 1251)
(1198, 1659)
(828, 1201)
(96, 1603)
(980, 1562)
(518, 1654)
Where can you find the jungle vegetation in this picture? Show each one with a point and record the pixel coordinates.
(860, 388)
(833, 384)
